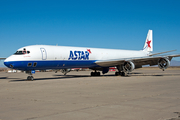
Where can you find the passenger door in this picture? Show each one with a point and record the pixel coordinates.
(44, 54)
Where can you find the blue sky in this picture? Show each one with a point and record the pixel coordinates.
(116, 24)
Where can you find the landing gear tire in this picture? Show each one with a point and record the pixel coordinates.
(98, 74)
(95, 74)
(120, 74)
(123, 74)
(117, 73)
(92, 73)
(30, 78)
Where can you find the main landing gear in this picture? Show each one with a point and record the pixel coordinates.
(95, 73)
(120, 73)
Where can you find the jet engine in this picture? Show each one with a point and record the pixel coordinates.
(128, 66)
(163, 63)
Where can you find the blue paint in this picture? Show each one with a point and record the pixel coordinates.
(33, 71)
(51, 64)
(78, 55)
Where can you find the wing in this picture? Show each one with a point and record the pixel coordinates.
(139, 61)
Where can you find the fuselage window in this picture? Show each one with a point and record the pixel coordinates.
(34, 65)
(29, 64)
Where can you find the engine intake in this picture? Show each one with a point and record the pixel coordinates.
(163, 63)
(128, 66)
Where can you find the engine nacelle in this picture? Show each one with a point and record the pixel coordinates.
(163, 63)
(128, 66)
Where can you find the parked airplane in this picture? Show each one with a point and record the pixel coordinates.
(41, 57)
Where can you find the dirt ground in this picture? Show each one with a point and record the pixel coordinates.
(146, 94)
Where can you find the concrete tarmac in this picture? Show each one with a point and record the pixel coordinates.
(147, 94)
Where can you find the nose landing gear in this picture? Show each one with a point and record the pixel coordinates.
(30, 78)
(30, 73)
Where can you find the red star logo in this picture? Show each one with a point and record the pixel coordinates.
(89, 50)
(148, 42)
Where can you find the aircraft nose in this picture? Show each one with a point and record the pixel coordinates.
(8, 64)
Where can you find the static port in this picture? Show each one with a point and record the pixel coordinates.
(11, 66)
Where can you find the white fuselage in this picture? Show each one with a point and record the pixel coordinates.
(59, 57)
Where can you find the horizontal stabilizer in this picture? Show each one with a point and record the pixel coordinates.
(161, 52)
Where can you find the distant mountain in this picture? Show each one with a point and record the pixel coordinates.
(175, 63)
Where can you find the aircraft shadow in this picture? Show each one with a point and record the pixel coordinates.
(153, 74)
(3, 77)
(60, 77)
(85, 76)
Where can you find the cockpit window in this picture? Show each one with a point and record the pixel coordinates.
(18, 53)
(22, 52)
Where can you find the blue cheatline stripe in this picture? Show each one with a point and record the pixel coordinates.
(51, 64)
